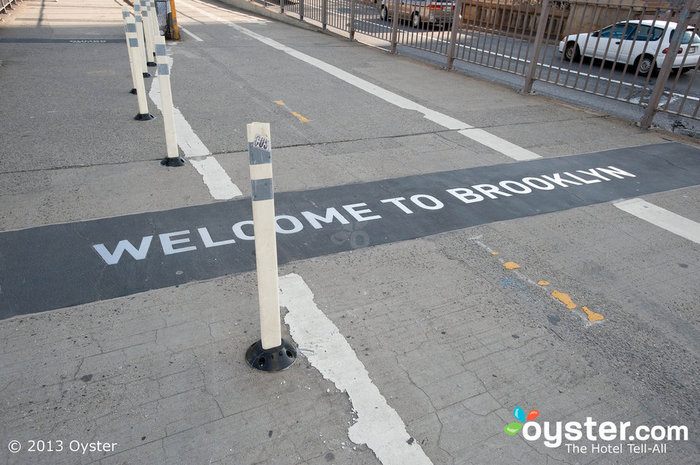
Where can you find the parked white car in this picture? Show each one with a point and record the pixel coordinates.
(641, 44)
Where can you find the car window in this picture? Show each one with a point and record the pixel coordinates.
(690, 35)
(630, 31)
(616, 32)
(642, 33)
(605, 32)
(657, 33)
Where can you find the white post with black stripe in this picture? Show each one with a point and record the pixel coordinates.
(166, 105)
(271, 352)
(125, 15)
(136, 74)
(149, 33)
(141, 35)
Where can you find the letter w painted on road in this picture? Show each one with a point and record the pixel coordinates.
(112, 258)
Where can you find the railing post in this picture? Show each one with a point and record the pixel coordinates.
(395, 26)
(301, 10)
(353, 7)
(665, 72)
(539, 37)
(453, 36)
(324, 14)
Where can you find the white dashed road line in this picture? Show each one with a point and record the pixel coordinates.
(662, 218)
(478, 135)
(213, 174)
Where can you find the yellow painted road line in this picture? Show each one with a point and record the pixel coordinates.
(299, 116)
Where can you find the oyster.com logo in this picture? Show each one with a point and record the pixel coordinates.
(601, 437)
(519, 414)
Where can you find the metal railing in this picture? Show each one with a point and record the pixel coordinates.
(524, 37)
(7, 5)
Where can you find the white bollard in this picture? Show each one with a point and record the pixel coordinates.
(137, 76)
(148, 32)
(166, 105)
(271, 353)
(141, 35)
(125, 15)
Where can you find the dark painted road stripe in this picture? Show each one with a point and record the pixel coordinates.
(62, 265)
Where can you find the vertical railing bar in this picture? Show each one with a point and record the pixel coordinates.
(541, 26)
(577, 74)
(548, 34)
(453, 35)
(394, 26)
(655, 97)
(516, 39)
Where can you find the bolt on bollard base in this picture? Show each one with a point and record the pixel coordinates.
(274, 359)
(144, 117)
(173, 161)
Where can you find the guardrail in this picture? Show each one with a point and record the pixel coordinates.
(7, 5)
(523, 37)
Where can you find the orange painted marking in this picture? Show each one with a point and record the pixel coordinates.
(511, 266)
(592, 316)
(301, 118)
(543, 283)
(565, 299)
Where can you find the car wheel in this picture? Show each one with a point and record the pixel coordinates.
(415, 20)
(384, 14)
(646, 65)
(571, 52)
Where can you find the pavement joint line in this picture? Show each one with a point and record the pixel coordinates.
(220, 185)
(480, 136)
(378, 425)
(662, 218)
(440, 133)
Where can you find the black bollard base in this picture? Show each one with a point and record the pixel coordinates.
(167, 161)
(144, 117)
(151, 63)
(132, 91)
(274, 359)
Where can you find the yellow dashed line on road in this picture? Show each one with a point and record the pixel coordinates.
(592, 316)
(565, 299)
(299, 116)
(560, 296)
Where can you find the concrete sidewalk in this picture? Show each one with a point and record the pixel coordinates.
(436, 333)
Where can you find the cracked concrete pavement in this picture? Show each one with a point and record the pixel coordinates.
(452, 339)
